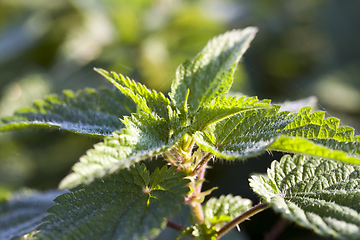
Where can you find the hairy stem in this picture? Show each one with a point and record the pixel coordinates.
(200, 178)
(197, 198)
(245, 215)
(195, 206)
(202, 164)
(171, 159)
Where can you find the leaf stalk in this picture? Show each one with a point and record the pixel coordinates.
(245, 215)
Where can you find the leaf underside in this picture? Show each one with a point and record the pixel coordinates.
(253, 132)
(144, 136)
(210, 73)
(24, 213)
(129, 204)
(225, 208)
(89, 112)
(319, 194)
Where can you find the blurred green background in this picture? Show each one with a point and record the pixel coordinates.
(303, 48)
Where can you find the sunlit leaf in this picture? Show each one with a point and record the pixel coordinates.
(316, 193)
(225, 107)
(144, 136)
(200, 232)
(149, 101)
(251, 133)
(225, 208)
(210, 73)
(88, 112)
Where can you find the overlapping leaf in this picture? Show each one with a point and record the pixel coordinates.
(144, 136)
(23, 213)
(88, 111)
(224, 107)
(149, 101)
(224, 209)
(245, 134)
(253, 132)
(129, 204)
(320, 194)
(210, 73)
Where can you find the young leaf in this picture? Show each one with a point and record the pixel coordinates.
(253, 132)
(210, 73)
(200, 232)
(144, 136)
(150, 102)
(87, 111)
(23, 213)
(319, 194)
(225, 107)
(244, 135)
(224, 209)
(129, 204)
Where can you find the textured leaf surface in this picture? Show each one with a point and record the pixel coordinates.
(224, 209)
(149, 101)
(23, 213)
(224, 107)
(320, 194)
(253, 132)
(88, 111)
(210, 73)
(129, 204)
(144, 136)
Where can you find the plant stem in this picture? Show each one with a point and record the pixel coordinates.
(177, 227)
(245, 215)
(170, 158)
(174, 225)
(195, 205)
(202, 163)
(200, 178)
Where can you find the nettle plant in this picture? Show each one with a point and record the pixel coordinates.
(113, 196)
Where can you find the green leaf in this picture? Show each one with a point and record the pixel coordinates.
(319, 194)
(224, 209)
(87, 111)
(244, 135)
(210, 73)
(327, 138)
(251, 133)
(200, 232)
(129, 204)
(150, 102)
(144, 136)
(23, 213)
(221, 108)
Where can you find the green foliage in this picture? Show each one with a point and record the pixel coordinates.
(200, 232)
(148, 101)
(210, 73)
(113, 197)
(225, 208)
(221, 108)
(90, 112)
(145, 136)
(24, 212)
(129, 204)
(316, 193)
(253, 132)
